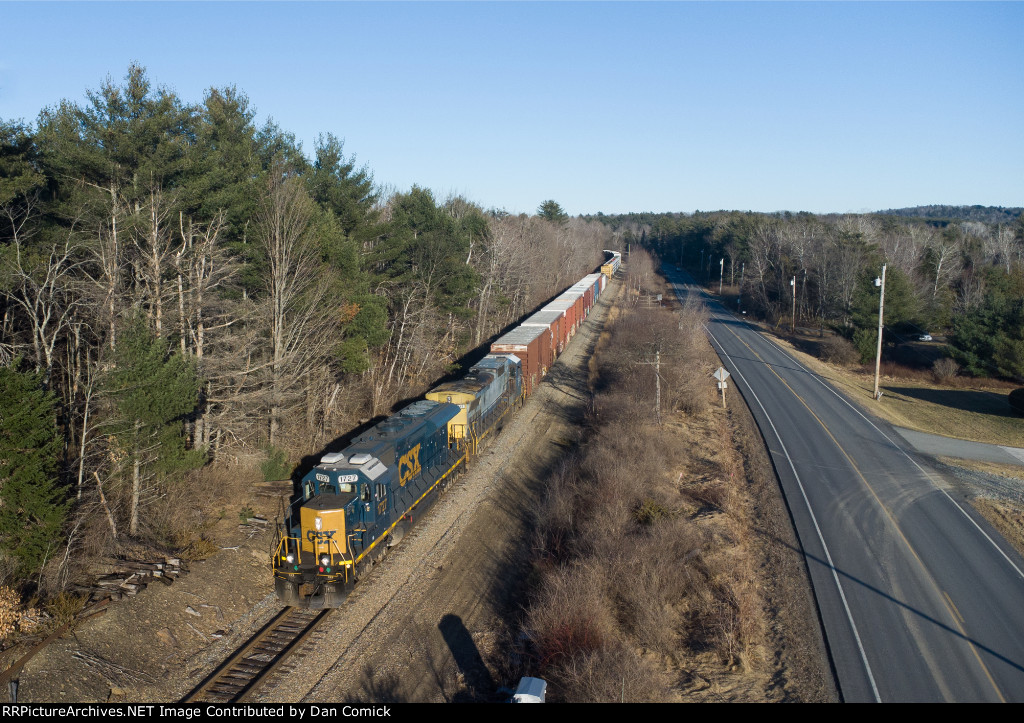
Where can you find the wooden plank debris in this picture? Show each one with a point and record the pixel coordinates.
(126, 578)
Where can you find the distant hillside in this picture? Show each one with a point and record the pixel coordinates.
(985, 214)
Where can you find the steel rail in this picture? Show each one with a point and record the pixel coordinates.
(244, 672)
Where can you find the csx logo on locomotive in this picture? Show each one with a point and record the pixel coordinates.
(409, 465)
(316, 536)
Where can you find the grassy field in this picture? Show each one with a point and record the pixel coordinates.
(1005, 516)
(972, 409)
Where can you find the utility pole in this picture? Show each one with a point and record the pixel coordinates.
(657, 384)
(701, 267)
(793, 284)
(881, 306)
(721, 275)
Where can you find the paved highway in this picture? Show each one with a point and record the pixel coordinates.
(920, 599)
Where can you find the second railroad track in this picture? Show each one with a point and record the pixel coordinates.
(253, 664)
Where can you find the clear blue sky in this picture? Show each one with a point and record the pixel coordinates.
(610, 107)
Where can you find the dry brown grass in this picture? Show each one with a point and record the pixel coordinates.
(1010, 471)
(972, 409)
(1005, 516)
(192, 507)
(643, 541)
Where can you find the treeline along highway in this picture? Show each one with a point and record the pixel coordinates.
(921, 600)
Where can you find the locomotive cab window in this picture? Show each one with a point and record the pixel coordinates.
(380, 491)
(366, 493)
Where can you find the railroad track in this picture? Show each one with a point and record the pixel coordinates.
(253, 664)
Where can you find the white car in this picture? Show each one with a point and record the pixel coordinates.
(925, 337)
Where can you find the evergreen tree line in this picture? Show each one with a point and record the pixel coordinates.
(182, 287)
(964, 278)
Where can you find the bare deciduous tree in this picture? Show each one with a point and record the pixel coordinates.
(42, 288)
(293, 310)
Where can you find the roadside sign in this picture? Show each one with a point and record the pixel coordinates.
(721, 375)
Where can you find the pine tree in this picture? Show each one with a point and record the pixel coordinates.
(552, 211)
(32, 501)
(155, 391)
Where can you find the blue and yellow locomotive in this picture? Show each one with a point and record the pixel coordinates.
(357, 502)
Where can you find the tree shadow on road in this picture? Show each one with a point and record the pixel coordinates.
(969, 400)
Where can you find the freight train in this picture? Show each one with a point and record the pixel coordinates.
(355, 504)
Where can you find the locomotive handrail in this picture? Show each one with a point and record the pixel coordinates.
(283, 542)
(298, 552)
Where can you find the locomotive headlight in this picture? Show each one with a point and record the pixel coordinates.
(324, 560)
(318, 523)
(290, 557)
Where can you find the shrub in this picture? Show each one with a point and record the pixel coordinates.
(650, 511)
(613, 673)
(1016, 399)
(837, 350)
(866, 343)
(199, 549)
(65, 607)
(571, 615)
(276, 466)
(944, 369)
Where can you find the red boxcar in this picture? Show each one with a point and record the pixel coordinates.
(567, 307)
(552, 319)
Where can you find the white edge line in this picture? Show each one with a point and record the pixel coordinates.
(900, 449)
(817, 528)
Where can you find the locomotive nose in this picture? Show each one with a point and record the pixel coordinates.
(323, 530)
